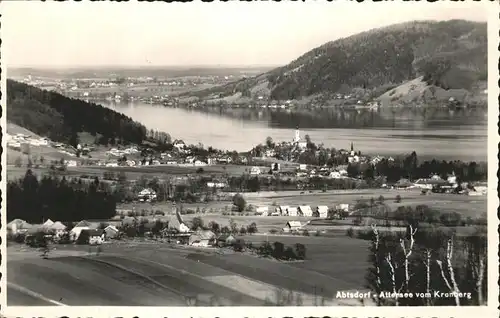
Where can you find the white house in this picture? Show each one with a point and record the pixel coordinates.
(480, 189)
(57, 228)
(262, 210)
(305, 210)
(202, 238)
(179, 144)
(18, 226)
(343, 207)
(147, 195)
(270, 153)
(70, 163)
(96, 237)
(48, 223)
(322, 211)
(199, 163)
(353, 159)
(292, 226)
(335, 175)
(215, 184)
(111, 231)
(291, 211)
(255, 171)
(176, 223)
(79, 227)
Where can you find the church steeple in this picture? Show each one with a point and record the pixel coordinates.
(297, 134)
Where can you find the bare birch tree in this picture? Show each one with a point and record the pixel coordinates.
(453, 286)
(407, 253)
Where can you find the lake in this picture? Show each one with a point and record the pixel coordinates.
(447, 139)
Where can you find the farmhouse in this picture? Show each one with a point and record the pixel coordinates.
(343, 207)
(225, 240)
(292, 211)
(57, 228)
(282, 210)
(335, 175)
(79, 227)
(48, 223)
(292, 226)
(403, 184)
(305, 210)
(111, 231)
(429, 183)
(264, 210)
(322, 211)
(147, 195)
(255, 171)
(177, 224)
(18, 226)
(179, 144)
(202, 238)
(96, 237)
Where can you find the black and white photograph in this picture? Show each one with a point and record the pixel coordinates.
(258, 154)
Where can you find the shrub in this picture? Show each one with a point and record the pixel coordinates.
(289, 254)
(252, 228)
(398, 199)
(273, 231)
(239, 202)
(279, 250)
(197, 223)
(350, 232)
(265, 249)
(300, 250)
(214, 227)
(239, 245)
(243, 230)
(305, 233)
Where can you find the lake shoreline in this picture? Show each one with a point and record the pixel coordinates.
(465, 143)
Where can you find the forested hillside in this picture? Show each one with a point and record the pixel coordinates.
(449, 54)
(61, 118)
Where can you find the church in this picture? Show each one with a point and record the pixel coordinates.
(302, 144)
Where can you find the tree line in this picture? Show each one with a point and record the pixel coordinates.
(56, 198)
(61, 118)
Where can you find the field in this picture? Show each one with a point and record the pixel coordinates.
(132, 173)
(157, 274)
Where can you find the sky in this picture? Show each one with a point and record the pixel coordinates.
(86, 34)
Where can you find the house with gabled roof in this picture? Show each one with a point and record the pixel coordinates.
(79, 227)
(18, 226)
(305, 210)
(291, 211)
(292, 226)
(322, 211)
(202, 238)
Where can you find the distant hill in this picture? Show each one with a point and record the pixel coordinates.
(449, 55)
(61, 118)
(146, 71)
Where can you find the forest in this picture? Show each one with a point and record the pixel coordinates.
(58, 199)
(448, 54)
(61, 118)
